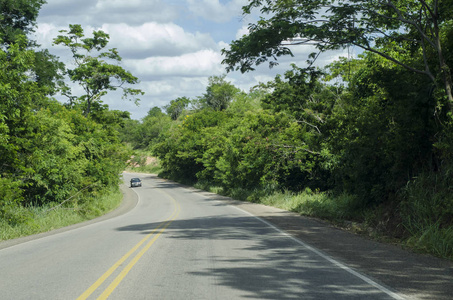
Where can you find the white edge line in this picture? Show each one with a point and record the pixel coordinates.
(325, 256)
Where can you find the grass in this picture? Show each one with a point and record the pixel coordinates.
(421, 221)
(310, 203)
(427, 213)
(433, 239)
(46, 218)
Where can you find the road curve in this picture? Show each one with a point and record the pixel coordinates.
(181, 243)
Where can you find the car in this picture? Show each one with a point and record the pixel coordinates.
(136, 182)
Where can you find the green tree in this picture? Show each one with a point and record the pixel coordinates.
(181, 148)
(47, 71)
(148, 132)
(20, 96)
(219, 93)
(408, 33)
(176, 107)
(94, 73)
(18, 18)
(382, 131)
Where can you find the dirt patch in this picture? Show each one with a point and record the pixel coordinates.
(141, 161)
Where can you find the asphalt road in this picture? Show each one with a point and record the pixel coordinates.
(179, 243)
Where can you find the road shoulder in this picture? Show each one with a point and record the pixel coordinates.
(415, 276)
(129, 201)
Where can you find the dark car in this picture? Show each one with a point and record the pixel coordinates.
(136, 182)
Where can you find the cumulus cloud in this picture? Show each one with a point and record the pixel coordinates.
(96, 13)
(215, 11)
(154, 39)
(242, 31)
(173, 47)
(200, 63)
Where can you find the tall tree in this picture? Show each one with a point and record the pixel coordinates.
(17, 21)
(18, 18)
(408, 33)
(219, 93)
(94, 73)
(176, 107)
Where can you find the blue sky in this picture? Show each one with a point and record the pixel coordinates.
(172, 46)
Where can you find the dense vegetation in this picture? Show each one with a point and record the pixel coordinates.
(55, 155)
(367, 139)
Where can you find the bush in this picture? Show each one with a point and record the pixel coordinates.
(427, 212)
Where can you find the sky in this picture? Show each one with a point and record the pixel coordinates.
(172, 46)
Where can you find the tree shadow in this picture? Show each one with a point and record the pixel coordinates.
(280, 272)
(261, 263)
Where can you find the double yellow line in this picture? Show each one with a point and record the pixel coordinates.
(156, 232)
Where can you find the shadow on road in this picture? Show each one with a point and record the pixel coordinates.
(260, 262)
(280, 273)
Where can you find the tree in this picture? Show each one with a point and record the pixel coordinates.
(18, 18)
(382, 130)
(219, 93)
(17, 21)
(19, 97)
(96, 75)
(176, 107)
(408, 33)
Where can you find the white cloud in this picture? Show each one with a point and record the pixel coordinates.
(154, 39)
(109, 4)
(200, 63)
(172, 46)
(98, 12)
(242, 31)
(214, 11)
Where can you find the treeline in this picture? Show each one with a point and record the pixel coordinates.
(369, 136)
(363, 131)
(53, 153)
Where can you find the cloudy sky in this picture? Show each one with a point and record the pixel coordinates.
(172, 46)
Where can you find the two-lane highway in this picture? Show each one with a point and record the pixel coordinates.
(178, 243)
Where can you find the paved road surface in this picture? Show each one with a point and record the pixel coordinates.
(180, 243)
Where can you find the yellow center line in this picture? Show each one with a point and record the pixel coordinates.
(126, 270)
(123, 273)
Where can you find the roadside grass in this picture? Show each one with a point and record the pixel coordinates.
(419, 222)
(427, 213)
(42, 219)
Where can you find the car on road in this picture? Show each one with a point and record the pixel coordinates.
(136, 182)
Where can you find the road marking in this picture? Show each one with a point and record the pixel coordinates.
(126, 270)
(328, 258)
(368, 280)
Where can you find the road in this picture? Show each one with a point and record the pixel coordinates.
(178, 243)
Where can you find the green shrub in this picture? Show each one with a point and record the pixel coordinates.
(427, 212)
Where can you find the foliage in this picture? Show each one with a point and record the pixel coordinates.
(94, 73)
(40, 219)
(18, 18)
(181, 147)
(176, 107)
(219, 93)
(427, 211)
(382, 133)
(395, 30)
(49, 153)
(147, 132)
